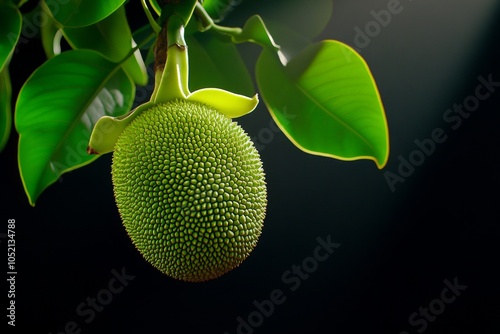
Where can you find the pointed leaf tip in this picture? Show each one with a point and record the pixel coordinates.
(227, 103)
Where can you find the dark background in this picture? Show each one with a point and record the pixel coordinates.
(397, 248)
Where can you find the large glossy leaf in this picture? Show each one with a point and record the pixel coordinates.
(5, 107)
(215, 63)
(327, 102)
(80, 13)
(111, 37)
(57, 109)
(10, 29)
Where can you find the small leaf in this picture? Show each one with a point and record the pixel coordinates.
(78, 13)
(255, 31)
(111, 37)
(5, 107)
(56, 111)
(107, 130)
(10, 30)
(227, 103)
(326, 102)
(215, 63)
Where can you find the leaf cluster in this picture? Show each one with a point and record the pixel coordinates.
(324, 98)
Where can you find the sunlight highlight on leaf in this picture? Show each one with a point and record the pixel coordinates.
(57, 109)
(334, 99)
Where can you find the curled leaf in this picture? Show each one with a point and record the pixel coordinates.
(56, 111)
(214, 62)
(107, 130)
(113, 39)
(78, 13)
(230, 104)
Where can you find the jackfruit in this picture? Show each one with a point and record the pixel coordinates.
(190, 189)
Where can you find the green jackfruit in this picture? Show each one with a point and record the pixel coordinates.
(190, 189)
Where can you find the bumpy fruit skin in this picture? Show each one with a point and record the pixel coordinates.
(190, 189)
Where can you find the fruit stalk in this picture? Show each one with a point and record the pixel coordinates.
(171, 56)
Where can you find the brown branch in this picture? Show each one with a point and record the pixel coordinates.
(160, 50)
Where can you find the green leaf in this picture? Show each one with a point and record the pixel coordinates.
(108, 128)
(182, 9)
(219, 9)
(79, 13)
(142, 34)
(111, 37)
(50, 34)
(215, 63)
(227, 103)
(5, 107)
(56, 111)
(255, 31)
(156, 7)
(10, 30)
(326, 102)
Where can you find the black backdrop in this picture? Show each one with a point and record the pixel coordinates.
(400, 249)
